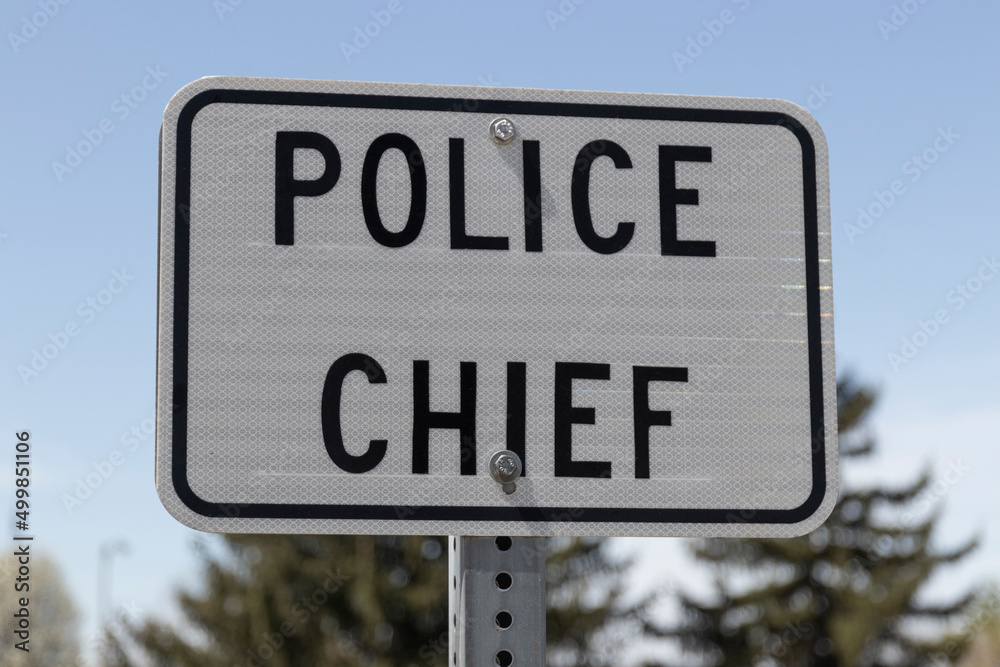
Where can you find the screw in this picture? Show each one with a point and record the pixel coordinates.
(505, 467)
(502, 131)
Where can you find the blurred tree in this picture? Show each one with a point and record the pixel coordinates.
(587, 623)
(983, 625)
(845, 594)
(54, 640)
(286, 601)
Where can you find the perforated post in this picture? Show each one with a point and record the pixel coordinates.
(497, 601)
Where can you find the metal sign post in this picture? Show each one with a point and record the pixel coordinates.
(496, 601)
(497, 597)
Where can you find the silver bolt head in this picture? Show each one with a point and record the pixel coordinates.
(502, 131)
(505, 467)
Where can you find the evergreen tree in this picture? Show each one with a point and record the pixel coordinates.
(285, 601)
(289, 601)
(844, 595)
(586, 623)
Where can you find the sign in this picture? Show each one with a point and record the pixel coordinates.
(367, 290)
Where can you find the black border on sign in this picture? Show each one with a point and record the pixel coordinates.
(465, 513)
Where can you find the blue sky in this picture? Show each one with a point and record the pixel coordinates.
(891, 83)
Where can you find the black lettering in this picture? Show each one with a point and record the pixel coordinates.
(287, 188)
(580, 197)
(418, 190)
(456, 193)
(671, 197)
(330, 413)
(532, 197)
(517, 409)
(643, 417)
(424, 419)
(567, 415)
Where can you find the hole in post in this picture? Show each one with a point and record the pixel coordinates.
(503, 581)
(504, 658)
(504, 620)
(454, 620)
(504, 543)
(454, 583)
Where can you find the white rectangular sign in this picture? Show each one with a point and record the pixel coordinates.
(365, 294)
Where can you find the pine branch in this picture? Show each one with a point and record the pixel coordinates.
(853, 403)
(864, 449)
(898, 496)
(942, 611)
(959, 553)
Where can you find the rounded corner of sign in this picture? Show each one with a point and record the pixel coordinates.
(185, 505)
(800, 122)
(182, 97)
(817, 515)
(175, 505)
(792, 109)
(193, 97)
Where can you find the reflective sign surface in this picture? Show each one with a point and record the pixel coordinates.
(365, 293)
